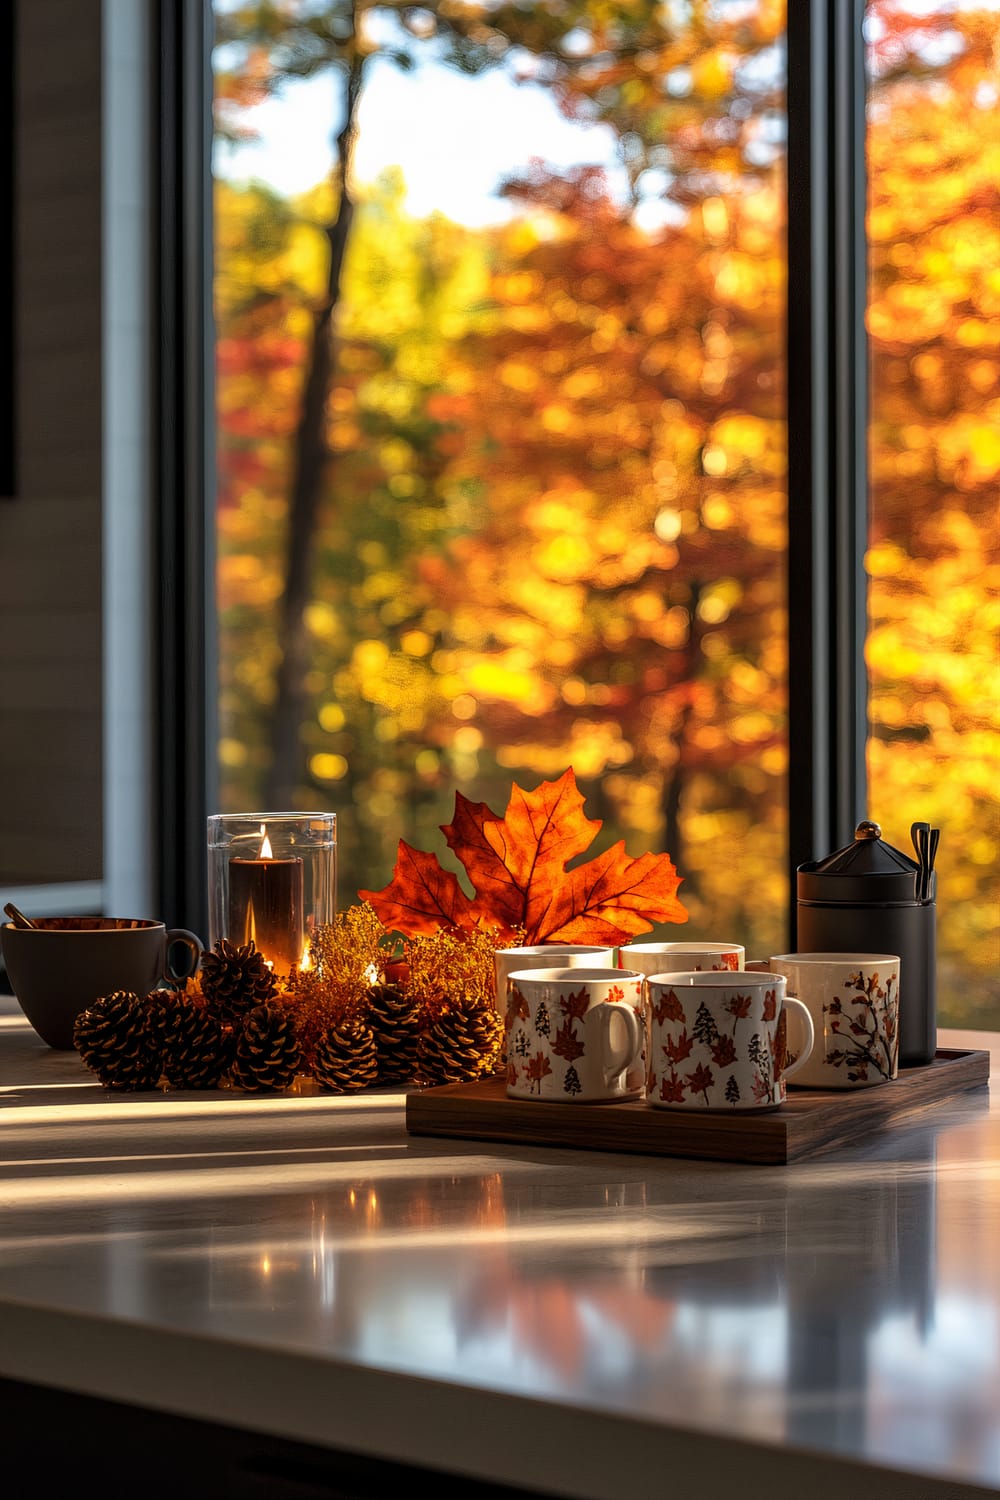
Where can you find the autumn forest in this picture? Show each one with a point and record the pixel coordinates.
(499, 499)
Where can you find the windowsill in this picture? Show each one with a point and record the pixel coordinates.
(306, 1269)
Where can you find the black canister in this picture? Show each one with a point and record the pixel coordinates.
(871, 898)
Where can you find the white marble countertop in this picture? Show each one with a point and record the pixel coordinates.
(579, 1323)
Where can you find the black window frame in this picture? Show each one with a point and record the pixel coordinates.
(185, 776)
(827, 433)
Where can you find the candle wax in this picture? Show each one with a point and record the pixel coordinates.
(266, 907)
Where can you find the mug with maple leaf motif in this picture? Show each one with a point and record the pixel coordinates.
(547, 956)
(719, 1041)
(853, 999)
(574, 1035)
(656, 958)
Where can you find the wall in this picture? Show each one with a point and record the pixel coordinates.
(50, 530)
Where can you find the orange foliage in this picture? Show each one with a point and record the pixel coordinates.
(554, 525)
(518, 868)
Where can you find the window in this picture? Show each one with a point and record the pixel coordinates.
(932, 649)
(533, 511)
(533, 515)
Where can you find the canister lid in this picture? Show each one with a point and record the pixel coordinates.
(866, 870)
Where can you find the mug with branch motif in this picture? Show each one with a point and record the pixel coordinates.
(853, 999)
(719, 1041)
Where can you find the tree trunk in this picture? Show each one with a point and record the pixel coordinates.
(673, 797)
(312, 460)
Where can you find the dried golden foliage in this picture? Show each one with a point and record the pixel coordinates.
(190, 988)
(346, 949)
(450, 964)
(346, 957)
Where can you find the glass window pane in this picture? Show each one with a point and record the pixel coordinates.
(500, 429)
(934, 315)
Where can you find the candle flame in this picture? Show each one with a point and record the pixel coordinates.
(266, 851)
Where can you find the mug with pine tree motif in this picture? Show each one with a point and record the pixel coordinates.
(719, 1041)
(574, 1035)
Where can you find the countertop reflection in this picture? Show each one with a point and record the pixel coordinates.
(302, 1266)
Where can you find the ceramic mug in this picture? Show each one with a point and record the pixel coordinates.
(547, 956)
(61, 965)
(658, 958)
(574, 1035)
(853, 999)
(719, 1041)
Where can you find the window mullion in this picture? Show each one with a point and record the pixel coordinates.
(827, 427)
(185, 463)
(850, 388)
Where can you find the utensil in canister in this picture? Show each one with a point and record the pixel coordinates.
(17, 917)
(925, 841)
(870, 897)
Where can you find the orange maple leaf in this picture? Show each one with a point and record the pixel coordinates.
(421, 897)
(517, 865)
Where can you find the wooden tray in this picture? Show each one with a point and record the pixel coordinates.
(810, 1120)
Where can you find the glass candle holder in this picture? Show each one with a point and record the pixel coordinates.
(272, 880)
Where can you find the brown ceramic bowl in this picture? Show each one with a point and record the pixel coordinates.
(61, 965)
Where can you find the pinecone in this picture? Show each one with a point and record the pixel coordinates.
(196, 1048)
(235, 980)
(395, 1019)
(117, 1042)
(464, 1042)
(267, 1054)
(346, 1058)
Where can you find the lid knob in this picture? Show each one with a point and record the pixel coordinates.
(868, 830)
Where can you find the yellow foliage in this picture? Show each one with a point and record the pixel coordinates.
(553, 531)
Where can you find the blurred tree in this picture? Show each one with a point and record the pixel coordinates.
(620, 606)
(408, 283)
(550, 522)
(654, 75)
(934, 320)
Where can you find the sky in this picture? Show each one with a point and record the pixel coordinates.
(454, 137)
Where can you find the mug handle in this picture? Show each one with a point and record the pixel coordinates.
(796, 1007)
(618, 1060)
(193, 947)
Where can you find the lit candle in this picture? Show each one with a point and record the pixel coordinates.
(266, 906)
